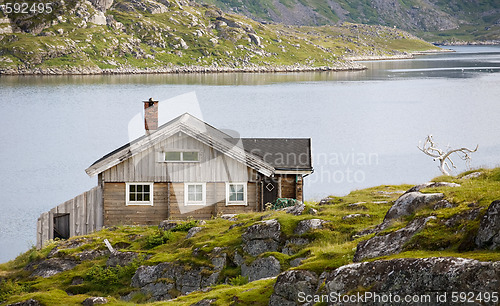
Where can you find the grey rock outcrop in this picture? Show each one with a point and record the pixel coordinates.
(261, 268)
(121, 259)
(30, 302)
(94, 300)
(193, 231)
(295, 210)
(488, 235)
(53, 266)
(305, 226)
(160, 280)
(167, 225)
(472, 175)
(262, 237)
(102, 5)
(432, 185)
(292, 244)
(391, 243)
(289, 284)
(410, 202)
(410, 276)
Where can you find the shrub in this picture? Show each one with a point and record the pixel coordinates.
(158, 238)
(238, 280)
(10, 287)
(184, 227)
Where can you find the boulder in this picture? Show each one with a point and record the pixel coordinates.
(92, 254)
(289, 284)
(410, 202)
(305, 226)
(98, 19)
(102, 5)
(261, 268)
(297, 261)
(262, 237)
(121, 259)
(160, 280)
(167, 225)
(30, 302)
(391, 243)
(415, 276)
(53, 266)
(313, 211)
(193, 231)
(472, 175)
(488, 235)
(291, 245)
(204, 302)
(355, 216)
(254, 38)
(432, 185)
(95, 300)
(295, 210)
(259, 246)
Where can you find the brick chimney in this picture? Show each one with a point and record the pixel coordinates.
(150, 115)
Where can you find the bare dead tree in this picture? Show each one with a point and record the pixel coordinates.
(443, 156)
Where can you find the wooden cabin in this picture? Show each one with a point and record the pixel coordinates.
(185, 168)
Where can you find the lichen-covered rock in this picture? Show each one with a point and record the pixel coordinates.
(305, 226)
(410, 202)
(391, 243)
(488, 235)
(159, 280)
(193, 231)
(262, 237)
(53, 266)
(259, 246)
(289, 284)
(263, 230)
(292, 244)
(261, 268)
(415, 276)
(30, 302)
(95, 300)
(432, 185)
(472, 175)
(121, 259)
(296, 209)
(167, 225)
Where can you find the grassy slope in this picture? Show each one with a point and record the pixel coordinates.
(152, 41)
(477, 18)
(330, 248)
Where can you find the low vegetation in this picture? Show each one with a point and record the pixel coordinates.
(450, 233)
(168, 36)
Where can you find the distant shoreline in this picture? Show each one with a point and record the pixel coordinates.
(469, 43)
(350, 65)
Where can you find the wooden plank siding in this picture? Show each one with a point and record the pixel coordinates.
(116, 212)
(148, 166)
(85, 215)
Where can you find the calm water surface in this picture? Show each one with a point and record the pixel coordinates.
(364, 125)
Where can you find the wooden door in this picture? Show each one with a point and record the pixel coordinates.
(61, 226)
(270, 190)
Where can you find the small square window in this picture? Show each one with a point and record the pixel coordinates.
(172, 156)
(236, 194)
(194, 194)
(139, 194)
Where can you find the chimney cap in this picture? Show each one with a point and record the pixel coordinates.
(150, 102)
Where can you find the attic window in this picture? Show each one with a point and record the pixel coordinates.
(182, 156)
(139, 194)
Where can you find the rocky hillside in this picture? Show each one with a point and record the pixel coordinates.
(129, 36)
(435, 238)
(435, 20)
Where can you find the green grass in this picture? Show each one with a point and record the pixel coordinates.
(450, 234)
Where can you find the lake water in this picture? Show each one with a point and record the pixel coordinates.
(365, 125)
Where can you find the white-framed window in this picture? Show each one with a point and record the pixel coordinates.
(195, 193)
(236, 193)
(181, 156)
(139, 194)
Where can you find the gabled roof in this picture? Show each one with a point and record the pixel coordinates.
(281, 153)
(251, 152)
